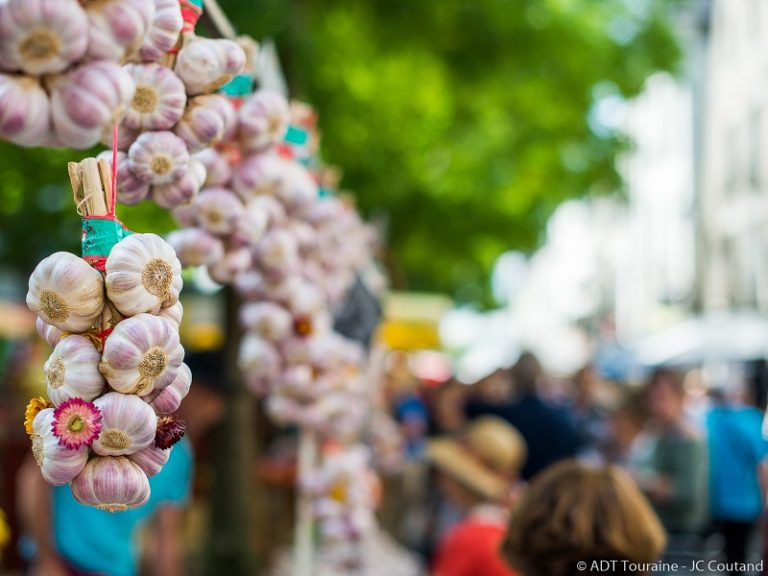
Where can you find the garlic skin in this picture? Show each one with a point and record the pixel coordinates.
(235, 262)
(143, 274)
(142, 354)
(151, 459)
(49, 333)
(252, 225)
(128, 424)
(111, 484)
(267, 319)
(218, 210)
(205, 65)
(116, 28)
(130, 189)
(168, 400)
(218, 169)
(258, 174)
(72, 371)
(279, 251)
(163, 32)
(158, 157)
(185, 214)
(25, 112)
(160, 98)
(174, 313)
(263, 120)
(58, 465)
(41, 36)
(169, 196)
(296, 188)
(205, 121)
(257, 358)
(196, 247)
(66, 292)
(88, 101)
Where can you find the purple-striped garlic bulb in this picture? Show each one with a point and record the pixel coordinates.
(72, 371)
(130, 188)
(59, 465)
(66, 292)
(41, 36)
(142, 354)
(113, 484)
(206, 65)
(257, 358)
(116, 28)
(49, 333)
(168, 400)
(159, 157)
(196, 247)
(258, 174)
(25, 112)
(205, 121)
(218, 210)
(143, 274)
(88, 101)
(173, 313)
(160, 98)
(163, 32)
(268, 320)
(296, 187)
(263, 120)
(252, 225)
(128, 424)
(278, 251)
(217, 167)
(235, 262)
(151, 459)
(185, 214)
(183, 190)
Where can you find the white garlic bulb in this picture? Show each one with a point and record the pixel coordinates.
(257, 358)
(130, 188)
(279, 251)
(263, 120)
(151, 459)
(168, 400)
(160, 98)
(159, 157)
(25, 112)
(267, 319)
(196, 247)
(235, 262)
(258, 174)
(218, 169)
(205, 121)
(296, 188)
(163, 32)
(113, 484)
(116, 28)
(173, 313)
(143, 274)
(66, 292)
(218, 210)
(183, 190)
(128, 424)
(142, 354)
(58, 464)
(206, 65)
(41, 36)
(72, 371)
(88, 101)
(252, 225)
(49, 333)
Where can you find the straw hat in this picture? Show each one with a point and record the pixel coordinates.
(485, 458)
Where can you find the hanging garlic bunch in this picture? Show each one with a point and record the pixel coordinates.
(205, 65)
(160, 98)
(116, 28)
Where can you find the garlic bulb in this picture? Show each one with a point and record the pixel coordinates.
(174, 313)
(206, 65)
(205, 121)
(185, 214)
(143, 274)
(257, 358)
(58, 464)
(41, 36)
(263, 120)
(128, 424)
(168, 400)
(279, 251)
(218, 210)
(49, 333)
(196, 247)
(267, 319)
(142, 354)
(66, 292)
(88, 101)
(218, 169)
(125, 137)
(116, 28)
(182, 190)
(235, 262)
(111, 484)
(258, 174)
(72, 371)
(159, 157)
(163, 32)
(296, 188)
(25, 112)
(151, 459)
(160, 98)
(252, 225)
(130, 188)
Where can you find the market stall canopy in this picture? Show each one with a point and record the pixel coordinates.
(714, 337)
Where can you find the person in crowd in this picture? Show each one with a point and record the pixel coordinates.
(574, 514)
(408, 406)
(477, 472)
(625, 429)
(675, 475)
(589, 416)
(447, 408)
(736, 450)
(547, 429)
(66, 538)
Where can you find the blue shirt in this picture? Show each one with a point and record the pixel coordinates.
(93, 540)
(736, 447)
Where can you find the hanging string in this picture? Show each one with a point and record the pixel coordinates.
(113, 192)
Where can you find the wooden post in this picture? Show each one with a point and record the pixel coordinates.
(303, 549)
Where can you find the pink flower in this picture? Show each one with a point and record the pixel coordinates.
(76, 423)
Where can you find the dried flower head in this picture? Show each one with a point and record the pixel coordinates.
(76, 423)
(35, 406)
(169, 431)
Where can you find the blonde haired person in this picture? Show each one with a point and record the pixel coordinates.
(578, 519)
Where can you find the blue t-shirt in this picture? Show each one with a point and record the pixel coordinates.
(736, 447)
(93, 540)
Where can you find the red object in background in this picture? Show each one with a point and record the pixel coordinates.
(470, 549)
